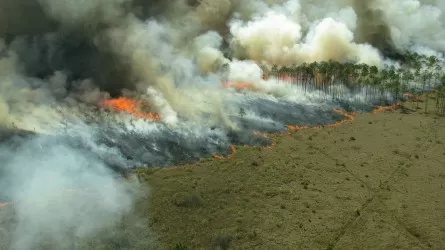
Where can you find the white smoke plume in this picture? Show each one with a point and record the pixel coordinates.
(63, 196)
(60, 59)
(186, 43)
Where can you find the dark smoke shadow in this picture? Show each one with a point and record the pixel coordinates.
(76, 56)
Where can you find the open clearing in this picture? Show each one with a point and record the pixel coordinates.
(376, 182)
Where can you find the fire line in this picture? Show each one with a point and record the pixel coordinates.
(131, 106)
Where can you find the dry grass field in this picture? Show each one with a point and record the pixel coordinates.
(374, 183)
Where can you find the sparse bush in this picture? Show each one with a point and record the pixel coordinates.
(221, 242)
(189, 200)
(180, 247)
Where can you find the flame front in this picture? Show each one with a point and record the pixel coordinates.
(131, 106)
(238, 85)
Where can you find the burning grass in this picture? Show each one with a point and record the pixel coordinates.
(316, 189)
(131, 106)
(312, 77)
(348, 117)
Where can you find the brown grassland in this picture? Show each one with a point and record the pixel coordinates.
(374, 183)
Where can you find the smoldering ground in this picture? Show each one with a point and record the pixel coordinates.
(61, 59)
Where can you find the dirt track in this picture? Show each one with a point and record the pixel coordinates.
(375, 183)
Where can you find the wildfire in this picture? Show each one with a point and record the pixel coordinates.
(232, 147)
(286, 77)
(264, 135)
(383, 108)
(349, 117)
(131, 106)
(239, 85)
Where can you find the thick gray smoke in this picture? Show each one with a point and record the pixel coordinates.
(371, 25)
(64, 196)
(60, 59)
(162, 44)
(60, 195)
(175, 48)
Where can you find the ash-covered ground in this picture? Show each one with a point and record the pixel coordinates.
(123, 141)
(61, 60)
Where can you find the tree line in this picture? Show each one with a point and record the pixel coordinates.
(417, 74)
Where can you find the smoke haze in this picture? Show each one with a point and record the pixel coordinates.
(60, 60)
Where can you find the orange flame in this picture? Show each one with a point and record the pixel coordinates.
(286, 77)
(383, 108)
(349, 117)
(264, 135)
(251, 86)
(232, 147)
(239, 85)
(131, 106)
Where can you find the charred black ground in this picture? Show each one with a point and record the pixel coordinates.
(165, 146)
(47, 46)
